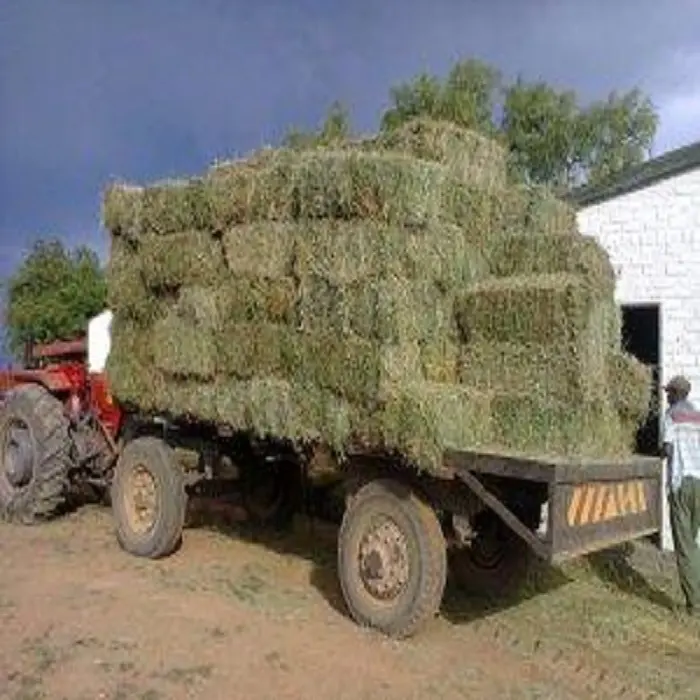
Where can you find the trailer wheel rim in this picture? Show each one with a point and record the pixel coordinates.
(18, 454)
(384, 560)
(140, 500)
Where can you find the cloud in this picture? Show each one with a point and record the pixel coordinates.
(94, 89)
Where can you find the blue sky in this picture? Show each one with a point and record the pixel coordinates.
(145, 89)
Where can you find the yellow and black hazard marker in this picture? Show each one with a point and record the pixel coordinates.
(601, 502)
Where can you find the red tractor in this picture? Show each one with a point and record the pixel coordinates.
(61, 433)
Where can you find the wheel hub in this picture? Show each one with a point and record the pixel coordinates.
(18, 457)
(141, 504)
(384, 565)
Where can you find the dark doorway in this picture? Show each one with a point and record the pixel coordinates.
(641, 337)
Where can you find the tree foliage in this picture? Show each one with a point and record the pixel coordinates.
(52, 294)
(335, 128)
(552, 138)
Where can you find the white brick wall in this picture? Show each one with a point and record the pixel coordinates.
(653, 239)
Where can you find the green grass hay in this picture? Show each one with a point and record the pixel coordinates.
(398, 295)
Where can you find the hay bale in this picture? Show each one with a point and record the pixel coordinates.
(332, 184)
(181, 259)
(548, 371)
(185, 346)
(390, 310)
(515, 254)
(528, 424)
(346, 185)
(422, 419)
(528, 309)
(264, 249)
(470, 156)
(173, 206)
(630, 387)
(122, 208)
(130, 366)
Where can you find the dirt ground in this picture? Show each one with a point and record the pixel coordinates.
(235, 616)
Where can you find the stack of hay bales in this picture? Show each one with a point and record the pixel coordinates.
(397, 294)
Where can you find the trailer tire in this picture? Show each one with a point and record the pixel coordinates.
(496, 565)
(410, 528)
(35, 455)
(154, 461)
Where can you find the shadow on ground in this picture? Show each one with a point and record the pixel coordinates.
(615, 568)
(315, 541)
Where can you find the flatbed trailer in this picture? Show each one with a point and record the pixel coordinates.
(479, 517)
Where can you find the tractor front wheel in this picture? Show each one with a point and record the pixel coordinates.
(148, 499)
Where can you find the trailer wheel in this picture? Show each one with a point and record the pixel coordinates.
(148, 498)
(496, 564)
(391, 559)
(35, 455)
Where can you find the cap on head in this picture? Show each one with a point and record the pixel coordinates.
(678, 385)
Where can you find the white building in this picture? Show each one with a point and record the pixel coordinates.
(649, 222)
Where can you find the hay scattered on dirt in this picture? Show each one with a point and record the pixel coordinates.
(404, 298)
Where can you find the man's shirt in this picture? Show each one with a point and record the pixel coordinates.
(681, 430)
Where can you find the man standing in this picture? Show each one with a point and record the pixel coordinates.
(681, 437)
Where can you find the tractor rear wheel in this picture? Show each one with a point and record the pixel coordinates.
(148, 498)
(35, 455)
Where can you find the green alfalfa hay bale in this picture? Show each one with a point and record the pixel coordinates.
(534, 209)
(347, 365)
(329, 184)
(347, 308)
(471, 156)
(528, 308)
(130, 366)
(345, 252)
(347, 185)
(531, 425)
(549, 371)
(517, 254)
(266, 407)
(421, 420)
(257, 349)
(173, 206)
(264, 249)
(184, 348)
(122, 206)
(126, 290)
(630, 384)
(548, 213)
(189, 258)
(389, 310)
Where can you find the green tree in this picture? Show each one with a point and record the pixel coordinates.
(551, 137)
(468, 97)
(52, 294)
(335, 128)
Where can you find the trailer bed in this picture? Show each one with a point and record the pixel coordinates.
(592, 504)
